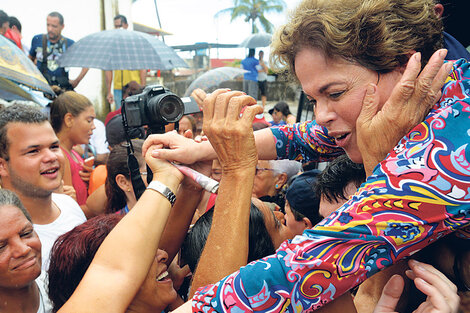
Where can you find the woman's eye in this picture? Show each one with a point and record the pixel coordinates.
(336, 95)
(27, 233)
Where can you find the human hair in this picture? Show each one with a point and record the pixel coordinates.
(251, 53)
(377, 34)
(290, 167)
(260, 243)
(117, 164)
(192, 121)
(17, 113)
(58, 15)
(14, 22)
(121, 17)
(67, 102)
(8, 197)
(72, 254)
(282, 107)
(3, 17)
(331, 183)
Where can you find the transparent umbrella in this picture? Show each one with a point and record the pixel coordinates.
(214, 77)
(257, 40)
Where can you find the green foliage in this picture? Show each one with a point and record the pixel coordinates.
(253, 11)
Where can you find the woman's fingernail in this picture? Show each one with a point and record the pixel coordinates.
(443, 53)
(449, 67)
(418, 56)
(154, 153)
(370, 89)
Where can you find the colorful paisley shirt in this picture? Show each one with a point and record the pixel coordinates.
(419, 193)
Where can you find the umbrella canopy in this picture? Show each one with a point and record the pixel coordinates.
(214, 77)
(257, 40)
(17, 67)
(10, 91)
(120, 49)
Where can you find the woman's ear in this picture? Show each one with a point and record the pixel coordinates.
(280, 180)
(68, 120)
(439, 10)
(123, 183)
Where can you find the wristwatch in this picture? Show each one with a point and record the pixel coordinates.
(164, 190)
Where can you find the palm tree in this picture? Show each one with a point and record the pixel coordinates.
(253, 11)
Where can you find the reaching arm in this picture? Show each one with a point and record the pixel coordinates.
(238, 159)
(79, 78)
(109, 80)
(143, 77)
(124, 258)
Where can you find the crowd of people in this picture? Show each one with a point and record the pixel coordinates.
(383, 228)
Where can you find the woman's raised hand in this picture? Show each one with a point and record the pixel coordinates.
(378, 131)
(230, 133)
(161, 169)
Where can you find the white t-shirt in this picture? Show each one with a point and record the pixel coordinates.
(70, 216)
(98, 138)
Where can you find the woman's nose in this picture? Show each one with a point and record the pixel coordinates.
(19, 248)
(323, 114)
(162, 256)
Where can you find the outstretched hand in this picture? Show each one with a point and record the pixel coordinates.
(379, 130)
(441, 293)
(230, 134)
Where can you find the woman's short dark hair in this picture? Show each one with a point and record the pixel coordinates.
(117, 164)
(72, 254)
(377, 34)
(260, 243)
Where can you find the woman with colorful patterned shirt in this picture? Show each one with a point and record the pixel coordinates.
(353, 55)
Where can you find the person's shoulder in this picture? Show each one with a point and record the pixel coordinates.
(68, 205)
(37, 40)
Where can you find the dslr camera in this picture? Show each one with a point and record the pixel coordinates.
(155, 107)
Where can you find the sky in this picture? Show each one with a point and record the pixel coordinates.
(194, 21)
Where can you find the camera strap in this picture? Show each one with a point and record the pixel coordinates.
(132, 163)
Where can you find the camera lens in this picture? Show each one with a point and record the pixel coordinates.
(167, 107)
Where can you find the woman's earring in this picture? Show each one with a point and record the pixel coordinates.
(128, 189)
(277, 186)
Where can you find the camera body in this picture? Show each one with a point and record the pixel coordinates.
(155, 107)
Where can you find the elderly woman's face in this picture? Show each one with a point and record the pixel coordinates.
(20, 249)
(337, 88)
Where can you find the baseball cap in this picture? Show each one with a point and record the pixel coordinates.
(301, 195)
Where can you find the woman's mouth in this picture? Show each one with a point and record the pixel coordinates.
(26, 264)
(163, 277)
(342, 140)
